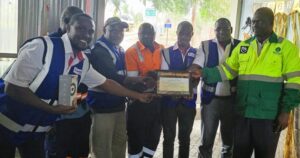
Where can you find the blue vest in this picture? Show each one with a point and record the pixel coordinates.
(103, 100)
(176, 63)
(210, 50)
(33, 121)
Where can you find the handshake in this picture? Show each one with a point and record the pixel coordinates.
(195, 71)
(142, 84)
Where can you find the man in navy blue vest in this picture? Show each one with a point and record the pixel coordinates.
(32, 87)
(70, 134)
(108, 130)
(178, 58)
(217, 99)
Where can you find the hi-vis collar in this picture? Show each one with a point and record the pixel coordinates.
(272, 39)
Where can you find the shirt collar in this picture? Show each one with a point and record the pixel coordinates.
(142, 47)
(176, 47)
(272, 39)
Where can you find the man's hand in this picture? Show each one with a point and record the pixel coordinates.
(149, 82)
(196, 72)
(145, 97)
(282, 121)
(62, 109)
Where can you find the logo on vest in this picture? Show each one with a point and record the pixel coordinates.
(277, 51)
(77, 71)
(244, 49)
(190, 54)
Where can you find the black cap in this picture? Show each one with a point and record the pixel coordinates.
(115, 21)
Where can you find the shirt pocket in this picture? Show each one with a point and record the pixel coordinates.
(274, 64)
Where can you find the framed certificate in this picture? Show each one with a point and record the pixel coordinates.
(174, 83)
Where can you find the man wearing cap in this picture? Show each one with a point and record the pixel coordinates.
(108, 131)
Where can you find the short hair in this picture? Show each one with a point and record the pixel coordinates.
(76, 17)
(184, 24)
(146, 26)
(68, 13)
(266, 12)
(223, 20)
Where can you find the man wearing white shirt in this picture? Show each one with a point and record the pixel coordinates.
(178, 58)
(217, 99)
(31, 86)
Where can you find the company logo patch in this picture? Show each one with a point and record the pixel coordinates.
(244, 49)
(190, 54)
(77, 71)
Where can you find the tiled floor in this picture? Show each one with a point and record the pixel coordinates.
(195, 139)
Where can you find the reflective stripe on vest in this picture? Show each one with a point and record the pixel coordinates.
(29, 120)
(112, 54)
(166, 55)
(15, 127)
(42, 74)
(139, 53)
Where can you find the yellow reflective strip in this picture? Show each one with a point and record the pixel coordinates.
(233, 73)
(261, 78)
(292, 86)
(222, 73)
(292, 74)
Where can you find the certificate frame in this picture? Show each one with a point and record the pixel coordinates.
(174, 83)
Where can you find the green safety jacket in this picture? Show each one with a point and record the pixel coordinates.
(268, 83)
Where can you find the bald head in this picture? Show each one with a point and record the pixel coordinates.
(223, 30)
(262, 23)
(223, 21)
(184, 34)
(66, 16)
(147, 35)
(265, 12)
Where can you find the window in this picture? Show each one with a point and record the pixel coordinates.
(8, 26)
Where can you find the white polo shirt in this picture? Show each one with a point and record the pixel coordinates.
(29, 64)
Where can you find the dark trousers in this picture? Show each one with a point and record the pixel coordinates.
(185, 116)
(143, 128)
(257, 135)
(33, 148)
(69, 138)
(219, 110)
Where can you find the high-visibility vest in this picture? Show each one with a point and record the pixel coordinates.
(211, 54)
(268, 81)
(100, 99)
(21, 121)
(175, 62)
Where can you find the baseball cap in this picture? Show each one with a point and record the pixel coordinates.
(115, 21)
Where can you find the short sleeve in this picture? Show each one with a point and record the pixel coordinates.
(27, 65)
(93, 78)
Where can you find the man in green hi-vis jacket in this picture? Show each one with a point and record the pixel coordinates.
(268, 71)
